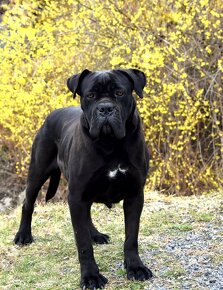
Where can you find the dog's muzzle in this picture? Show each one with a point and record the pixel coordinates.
(105, 111)
(106, 121)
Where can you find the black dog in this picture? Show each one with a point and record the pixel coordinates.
(100, 149)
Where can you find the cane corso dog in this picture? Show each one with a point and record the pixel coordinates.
(100, 149)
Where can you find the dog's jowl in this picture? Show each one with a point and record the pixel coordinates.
(100, 149)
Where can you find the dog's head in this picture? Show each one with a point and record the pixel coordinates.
(106, 99)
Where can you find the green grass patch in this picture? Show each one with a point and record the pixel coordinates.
(202, 216)
(183, 227)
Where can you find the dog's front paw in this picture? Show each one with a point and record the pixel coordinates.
(23, 238)
(93, 282)
(140, 272)
(100, 238)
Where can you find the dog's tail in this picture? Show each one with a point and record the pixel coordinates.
(54, 183)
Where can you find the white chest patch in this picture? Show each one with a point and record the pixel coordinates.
(113, 173)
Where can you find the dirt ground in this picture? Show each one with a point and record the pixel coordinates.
(10, 185)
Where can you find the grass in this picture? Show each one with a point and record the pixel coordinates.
(51, 261)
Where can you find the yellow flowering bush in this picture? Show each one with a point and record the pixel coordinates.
(177, 43)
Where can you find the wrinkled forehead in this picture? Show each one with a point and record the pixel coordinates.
(105, 81)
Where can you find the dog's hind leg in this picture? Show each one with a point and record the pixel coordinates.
(24, 235)
(96, 236)
(42, 165)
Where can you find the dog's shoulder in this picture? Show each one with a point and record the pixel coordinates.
(58, 120)
(64, 114)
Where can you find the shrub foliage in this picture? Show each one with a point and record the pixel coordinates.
(177, 43)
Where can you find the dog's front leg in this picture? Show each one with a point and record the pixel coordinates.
(90, 276)
(135, 268)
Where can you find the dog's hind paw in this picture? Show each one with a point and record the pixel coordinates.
(93, 282)
(100, 238)
(23, 238)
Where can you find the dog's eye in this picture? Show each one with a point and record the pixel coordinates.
(119, 93)
(90, 95)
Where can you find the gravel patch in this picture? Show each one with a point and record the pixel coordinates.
(190, 259)
(193, 254)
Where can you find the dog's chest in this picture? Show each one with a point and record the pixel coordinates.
(112, 184)
(114, 172)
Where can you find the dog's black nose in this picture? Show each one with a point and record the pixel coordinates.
(105, 109)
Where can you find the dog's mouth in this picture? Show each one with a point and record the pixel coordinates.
(104, 128)
(108, 128)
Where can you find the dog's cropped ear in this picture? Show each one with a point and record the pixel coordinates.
(138, 79)
(73, 83)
